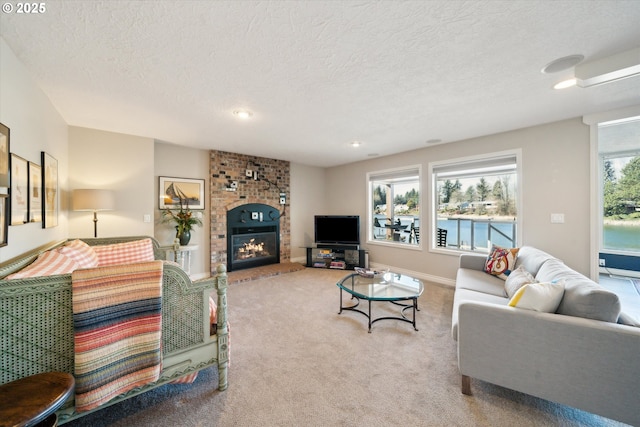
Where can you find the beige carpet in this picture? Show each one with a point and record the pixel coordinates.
(296, 362)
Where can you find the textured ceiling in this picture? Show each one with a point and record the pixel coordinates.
(319, 74)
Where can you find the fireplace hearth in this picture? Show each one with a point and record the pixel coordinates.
(253, 236)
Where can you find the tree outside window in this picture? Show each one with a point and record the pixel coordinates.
(475, 203)
(395, 206)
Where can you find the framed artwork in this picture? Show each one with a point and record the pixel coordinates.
(175, 190)
(35, 193)
(19, 190)
(50, 196)
(4, 224)
(4, 156)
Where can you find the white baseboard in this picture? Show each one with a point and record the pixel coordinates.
(417, 274)
(302, 260)
(614, 272)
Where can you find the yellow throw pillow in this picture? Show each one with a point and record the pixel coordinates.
(544, 297)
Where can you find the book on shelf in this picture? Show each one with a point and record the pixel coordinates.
(338, 265)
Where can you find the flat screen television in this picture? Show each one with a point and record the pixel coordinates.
(337, 229)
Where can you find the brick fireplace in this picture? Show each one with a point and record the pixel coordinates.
(231, 187)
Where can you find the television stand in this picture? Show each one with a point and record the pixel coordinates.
(341, 257)
(338, 246)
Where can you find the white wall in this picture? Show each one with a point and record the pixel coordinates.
(183, 162)
(122, 163)
(555, 167)
(307, 199)
(35, 126)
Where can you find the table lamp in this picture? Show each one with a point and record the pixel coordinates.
(93, 200)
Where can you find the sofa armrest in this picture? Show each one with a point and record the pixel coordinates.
(584, 363)
(472, 261)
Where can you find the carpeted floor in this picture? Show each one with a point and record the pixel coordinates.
(296, 361)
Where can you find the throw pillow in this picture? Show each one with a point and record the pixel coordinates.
(125, 253)
(81, 253)
(501, 261)
(517, 279)
(544, 297)
(47, 264)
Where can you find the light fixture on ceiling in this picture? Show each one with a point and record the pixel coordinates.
(565, 84)
(243, 114)
(356, 144)
(562, 64)
(610, 69)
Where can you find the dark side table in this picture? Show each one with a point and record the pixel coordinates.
(32, 401)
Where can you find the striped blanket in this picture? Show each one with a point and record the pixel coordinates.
(117, 330)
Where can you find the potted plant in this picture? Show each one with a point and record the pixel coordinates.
(184, 221)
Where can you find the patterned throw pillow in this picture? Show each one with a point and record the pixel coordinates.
(125, 253)
(81, 253)
(517, 279)
(47, 264)
(501, 261)
(544, 297)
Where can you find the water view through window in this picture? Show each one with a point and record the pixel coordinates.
(476, 203)
(621, 203)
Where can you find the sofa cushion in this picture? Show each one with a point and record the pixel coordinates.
(125, 253)
(544, 297)
(501, 261)
(467, 295)
(479, 281)
(47, 264)
(81, 253)
(517, 279)
(582, 297)
(532, 259)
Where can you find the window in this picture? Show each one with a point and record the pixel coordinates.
(394, 207)
(475, 202)
(619, 154)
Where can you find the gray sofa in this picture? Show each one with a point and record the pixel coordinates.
(580, 356)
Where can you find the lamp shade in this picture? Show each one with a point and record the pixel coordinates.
(93, 200)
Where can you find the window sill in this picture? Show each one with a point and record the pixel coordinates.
(395, 245)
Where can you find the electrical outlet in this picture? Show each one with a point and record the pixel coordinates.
(601, 262)
(248, 173)
(283, 198)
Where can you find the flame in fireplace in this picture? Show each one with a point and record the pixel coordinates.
(251, 249)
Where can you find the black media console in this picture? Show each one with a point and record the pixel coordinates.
(338, 257)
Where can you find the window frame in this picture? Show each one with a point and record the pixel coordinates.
(604, 156)
(393, 173)
(462, 163)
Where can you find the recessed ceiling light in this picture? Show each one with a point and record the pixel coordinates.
(562, 64)
(356, 143)
(565, 84)
(243, 114)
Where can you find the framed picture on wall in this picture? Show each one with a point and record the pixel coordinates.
(4, 224)
(173, 191)
(19, 190)
(35, 192)
(4, 157)
(50, 196)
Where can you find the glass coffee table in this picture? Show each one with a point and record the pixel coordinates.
(396, 288)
